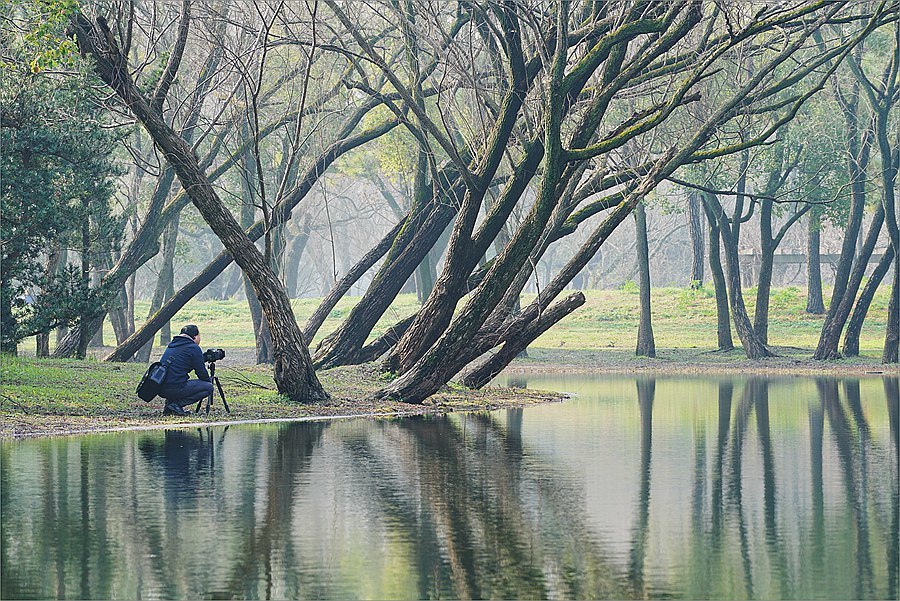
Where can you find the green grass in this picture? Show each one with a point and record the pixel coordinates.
(682, 318)
(686, 319)
(51, 396)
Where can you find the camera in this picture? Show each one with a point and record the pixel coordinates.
(213, 354)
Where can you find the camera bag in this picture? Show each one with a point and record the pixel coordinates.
(153, 379)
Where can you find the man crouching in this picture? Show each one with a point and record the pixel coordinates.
(178, 390)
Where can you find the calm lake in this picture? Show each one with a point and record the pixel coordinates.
(637, 487)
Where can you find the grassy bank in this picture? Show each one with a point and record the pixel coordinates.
(54, 396)
(47, 396)
(682, 319)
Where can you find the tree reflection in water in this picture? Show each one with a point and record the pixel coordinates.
(497, 505)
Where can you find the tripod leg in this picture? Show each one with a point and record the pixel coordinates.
(222, 392)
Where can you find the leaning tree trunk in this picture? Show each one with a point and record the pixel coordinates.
(520, 339)
(837, 316)
(128, 347)
(857, 163)
(646, 346)
(723, 314)
(261, 335)
(814, 303)
(855, 324)
(417, 237)
(754, 348)
(695, 230)
(294, 374)
(892, 334)
(464, 253)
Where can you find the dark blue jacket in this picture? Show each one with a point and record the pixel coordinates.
(186, 356)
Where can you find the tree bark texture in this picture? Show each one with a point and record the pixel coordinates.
(857, 163)
(695, 231)
(723, 314)
(520, 339)
(855, 324)
(892, 333)
(754, 348)
(415, 239)
(830, 338)
(294, 374)
(462, 258)
(814, 303)
(646, 346)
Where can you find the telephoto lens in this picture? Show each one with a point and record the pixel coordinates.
(213, 354)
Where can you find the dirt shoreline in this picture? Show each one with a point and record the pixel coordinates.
(116, 409)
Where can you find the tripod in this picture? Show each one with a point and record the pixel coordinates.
(216, 384)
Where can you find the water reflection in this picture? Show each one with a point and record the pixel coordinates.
(637, 488)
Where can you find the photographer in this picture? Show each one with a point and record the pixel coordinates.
(186, 356)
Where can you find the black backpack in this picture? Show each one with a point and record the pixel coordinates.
(152, 381)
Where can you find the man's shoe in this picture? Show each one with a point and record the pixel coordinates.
(174, 409)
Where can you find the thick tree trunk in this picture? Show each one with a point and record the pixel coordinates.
(814, 302)
(463, 255)
(415, 239)
(294, 374)
(282, 211)
(519, 340)
(857, 163)
(723, 315)
(695, 230)
(764, 281)
(646, 346)
(261, 334)
(858, 317)
(454, 350)
(892, 333)
(754, 348)
(42, 344)
(830, 337)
